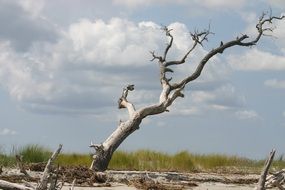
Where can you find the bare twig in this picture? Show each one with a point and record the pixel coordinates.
(239, 41)
(72, 185)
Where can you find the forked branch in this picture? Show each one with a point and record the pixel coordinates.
(124, 103)
(239, 41)
(198, 39)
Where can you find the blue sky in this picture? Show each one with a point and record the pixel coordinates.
(63, 65)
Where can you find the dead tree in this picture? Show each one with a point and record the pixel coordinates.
(170, 91)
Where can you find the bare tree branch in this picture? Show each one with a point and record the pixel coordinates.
(72, 185)
(43, 183)
(239, 41)
(198, 38)
(154, 57)
(167, 32)
(123, 102)
(262, 179)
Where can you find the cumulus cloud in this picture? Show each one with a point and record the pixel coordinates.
(21, 28)
(6, 131)
(276, 3)
(274, 83)
(84, 71)
(116, 43)
(246, 114)
(257, 60)
(222, 3)
(32, 6)
(139, 3)
(204, 3)
(221, 98)
(279, 34)
(86, 68)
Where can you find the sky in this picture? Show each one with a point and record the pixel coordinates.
(63, 64)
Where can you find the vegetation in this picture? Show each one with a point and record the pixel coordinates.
(182, 161)
(145, 160)
(34, 153)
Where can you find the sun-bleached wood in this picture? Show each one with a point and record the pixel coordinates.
(13, 186)
(263, 175)
(44, 181)
(170, 91)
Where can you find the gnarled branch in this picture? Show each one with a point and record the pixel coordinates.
(239, 41)
(124, 103)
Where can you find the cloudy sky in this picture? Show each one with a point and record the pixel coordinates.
(63, 64)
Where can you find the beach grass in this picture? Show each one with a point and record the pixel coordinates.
(146, 160)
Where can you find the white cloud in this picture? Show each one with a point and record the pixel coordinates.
(257, 60)
(140, 3)
(222, 3)
(88, 65)
(222, 97)
(184, 110)
(32, 6)
(284, 114)
(117, 42)
(276, 3)
(6, 131)
(246, 114)
(274, 83)
(279, 34)
(132, 4)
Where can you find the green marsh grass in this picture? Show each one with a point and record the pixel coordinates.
(74, 159)
(186, 162)
(34, 153)
(7, 161)
(145, 160)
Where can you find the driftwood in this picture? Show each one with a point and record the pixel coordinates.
(47, 177)
(262, 179)
(274, 180)
(13, 186)
(21, 166)
(43, 183)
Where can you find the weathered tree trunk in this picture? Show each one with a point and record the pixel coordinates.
(105, 151)
(170, 91)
